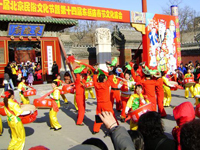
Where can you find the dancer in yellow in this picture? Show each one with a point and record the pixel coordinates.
(135, 101)
(197, 90)
(13, 110)
(22, 88)
(87, 90)
(59, 82)
(55, 96)
(189, 88)
(1, 127)
(167, 91)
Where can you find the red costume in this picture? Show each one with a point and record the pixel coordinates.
(103, 98)
(182, 114)
(80, 98)
(115, 92)
(160, 97)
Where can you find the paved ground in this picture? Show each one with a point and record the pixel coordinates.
(39, 133)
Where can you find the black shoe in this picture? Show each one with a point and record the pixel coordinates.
(186, 97)
(57, 129)
(94, 132)
(122, 119)
(52, 128)
(119, 110)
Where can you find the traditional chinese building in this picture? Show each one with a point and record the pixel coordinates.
(28, 38)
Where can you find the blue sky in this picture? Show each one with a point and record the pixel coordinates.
(153, 6)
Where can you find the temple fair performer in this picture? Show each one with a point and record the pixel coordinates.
(167, 90)
(135, 101)
(59, 82)
(126, 86)
(102, 86)
(160, 94)
(115, 91)
(179, 77)
(1, 127)
(189, 88)
(22, 88)
(12, 111)
(149, 86)
(80, 98)
(197, 90)
(89, 90)
(55, 96)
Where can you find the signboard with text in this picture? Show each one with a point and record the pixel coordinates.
(18, 29)
(63, 10)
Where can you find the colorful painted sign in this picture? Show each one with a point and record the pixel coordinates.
(161, 42)
(62, 10)
(18, 29)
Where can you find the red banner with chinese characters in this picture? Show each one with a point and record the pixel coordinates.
(62, 10)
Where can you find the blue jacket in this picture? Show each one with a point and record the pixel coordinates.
(184, 70)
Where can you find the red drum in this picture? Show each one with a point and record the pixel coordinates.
(89, 85)
(29, 117)
(30, 92)
(68, 88)
(43, 103)
(189, 81)
(2, 111)
(135, 114)
(175, 84)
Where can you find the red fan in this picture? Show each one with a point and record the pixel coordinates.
(71, 59)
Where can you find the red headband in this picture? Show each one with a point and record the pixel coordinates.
(7, 94)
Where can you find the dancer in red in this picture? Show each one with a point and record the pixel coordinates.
(103, 97)
(160, 94)
(149, 86)
(80, 98)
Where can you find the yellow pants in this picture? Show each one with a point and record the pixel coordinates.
(1, 126)
(25, 100)
(187, 89)
(64, 98)
(87, 92)
(75, 104)
(53, 119)
(18, 135)
(133, 125)
(167, 96)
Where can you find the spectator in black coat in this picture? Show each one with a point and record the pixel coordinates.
(54, 70)
(151, 127)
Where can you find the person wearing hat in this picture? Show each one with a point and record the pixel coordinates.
(160, 94)
(189, 88)
(197, 90)
(135, 101)
(149, 86)
(183, 114)
(22, 88)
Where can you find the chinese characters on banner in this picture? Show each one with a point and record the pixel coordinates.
(49, 59)
(62, 10)
(25, 29)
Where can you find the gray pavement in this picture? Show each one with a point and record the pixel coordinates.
(39, 133)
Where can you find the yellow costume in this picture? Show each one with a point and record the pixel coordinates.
(87, 90)
(17, 129)
(134, 103)
(167, 91)
(1, 126)
(53, 114)
(189, 88)
(62, 95)
(197, 92)
(22, 87)
(75, 104)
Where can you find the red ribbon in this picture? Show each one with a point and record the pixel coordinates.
(7, 94)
